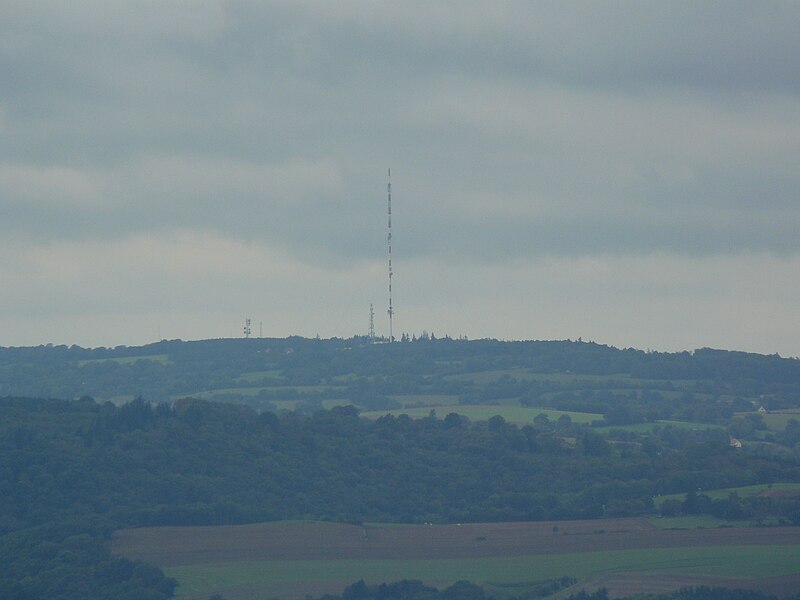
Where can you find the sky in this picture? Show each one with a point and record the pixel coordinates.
(620, 172)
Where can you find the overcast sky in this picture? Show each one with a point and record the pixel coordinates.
(623, 172)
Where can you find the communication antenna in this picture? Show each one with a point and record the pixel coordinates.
(371, 322)
(389, 243)
(261, 329)
(247, 330)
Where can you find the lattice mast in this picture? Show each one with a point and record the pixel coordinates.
(389, 244)
(371, 333)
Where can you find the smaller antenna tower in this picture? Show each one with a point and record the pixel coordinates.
(371, 322)
(247, 330)
(261, 329)
(389, 244)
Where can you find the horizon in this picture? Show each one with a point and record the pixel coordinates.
(412, 338)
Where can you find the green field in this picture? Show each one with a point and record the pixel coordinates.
(253, 391)
(251, 376)
(746, 491)
(482, 412)
(525, 374)
(127, 360)
(426, 399)
(274, 577)
(650, 426)
(706, 522)
(777, 421)
(673, 386)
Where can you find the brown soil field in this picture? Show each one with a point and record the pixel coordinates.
(780, 493)
(175, 546)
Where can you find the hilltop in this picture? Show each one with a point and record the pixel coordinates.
(584, 382)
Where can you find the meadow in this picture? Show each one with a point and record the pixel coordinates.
(763, 489)
(127, 360)
(651, 425)
(777, 421)
(286, 578)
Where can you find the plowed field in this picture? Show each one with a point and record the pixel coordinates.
(298, 558)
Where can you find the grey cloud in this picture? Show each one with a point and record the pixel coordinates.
(729, 45)
(515, 129)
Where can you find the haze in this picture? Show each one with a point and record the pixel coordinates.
(622, 172)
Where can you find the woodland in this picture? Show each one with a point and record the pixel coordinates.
(76, 466)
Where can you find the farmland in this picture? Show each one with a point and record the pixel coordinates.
(766, 490)
(128, 360)
(199, 437)
(706, 386)
(298, 558)
(778, 420)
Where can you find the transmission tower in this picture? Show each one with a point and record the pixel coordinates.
(247, 330)
(389, 244)
(371, 323)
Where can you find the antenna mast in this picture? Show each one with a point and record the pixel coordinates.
(371, 334)
(389, 243)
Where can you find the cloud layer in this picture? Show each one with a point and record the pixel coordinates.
(195, 161)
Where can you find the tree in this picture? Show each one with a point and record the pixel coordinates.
(594, 444)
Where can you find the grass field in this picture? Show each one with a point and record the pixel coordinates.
(244, 391)
(426, 399)
(127, 360)
(253, 391)
(647, 427)
(668, 387)
(525, 374)
(776, 421)
(707, 521)
(480, 412)
(252, 376)
(276, 578)
(484, 377)
(292, 559)
(743, 492)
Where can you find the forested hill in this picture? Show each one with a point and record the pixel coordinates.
(267, 372)
(199, 462)
(92, 440)
(73, 471)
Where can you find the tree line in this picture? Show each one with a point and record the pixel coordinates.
(465, 590)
